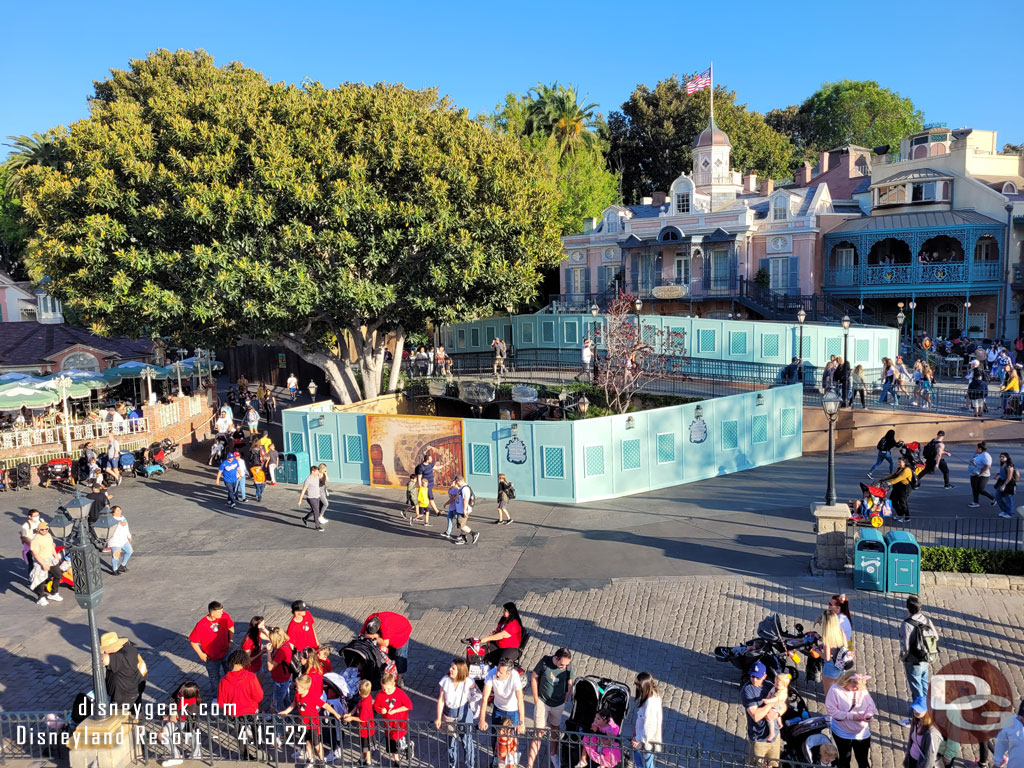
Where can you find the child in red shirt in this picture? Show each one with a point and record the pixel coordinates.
(363, 714)
(309, 707)
(255, 637)
(395, 705)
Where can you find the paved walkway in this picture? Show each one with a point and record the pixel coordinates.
(646, 582)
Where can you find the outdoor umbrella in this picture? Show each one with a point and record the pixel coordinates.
(15, 394)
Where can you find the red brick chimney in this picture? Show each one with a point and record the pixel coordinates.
(822, 163)
(750, 182)
(659, 198)
(766, 187)
(803, 176)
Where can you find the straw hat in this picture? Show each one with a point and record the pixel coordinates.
(111, 643)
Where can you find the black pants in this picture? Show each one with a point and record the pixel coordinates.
(900, 503)
(314, 511)
(853, 396)
(929, 467)
(496, 654)
(848, 747)
(978, 484)
(41, 589)
(844, 387)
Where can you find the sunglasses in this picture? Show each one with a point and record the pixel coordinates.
(43, 529)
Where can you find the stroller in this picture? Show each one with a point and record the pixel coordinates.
(872, 508)
(165, 452)
(218, 448)
(56, 471)
(365, 655)
(912, 454)
(590, 694)
(774, 647)
(150, 465)
(127, 463)
(803, 738)
(21, 477)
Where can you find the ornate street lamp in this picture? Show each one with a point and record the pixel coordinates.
(562, 397)
(71, 523)
(148, 374)
(846, 337)
(861, 308)
(312, 390)
(583, 405)
(800, 317)
(63, 383)
(594, 310)
(900, 319)
(913, 306)
(511, 332)
(830, 403)
(177, 366)
(967, 319)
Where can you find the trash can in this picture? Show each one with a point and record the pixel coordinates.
(902, 562)
(295, 466)
(869, 561)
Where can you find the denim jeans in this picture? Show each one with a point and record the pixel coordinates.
(215, 670)
(1004, 501)
(884, 395)
(282, 696)
(461, 716)
(917, 680)
(232, 488)
(882, 456)
(259, 490)
(451, 524)
(240, 488)
(126, 553)
(513, 717)
(643, 759)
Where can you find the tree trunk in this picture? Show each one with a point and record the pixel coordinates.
(338, 374)
(396, 360)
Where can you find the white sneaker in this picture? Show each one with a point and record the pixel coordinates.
(56, 597)
(171, 762)
(556, 762)
(972, 505)
(42, 601)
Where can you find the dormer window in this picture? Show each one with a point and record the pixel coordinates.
(922, 192)
(1009, 188)
(780, 209)
(612, 223)
(683, 202)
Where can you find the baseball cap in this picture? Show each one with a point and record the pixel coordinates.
(298, 605)
(758, 670)
(238, 455)
(920, 705)
(1020, 709)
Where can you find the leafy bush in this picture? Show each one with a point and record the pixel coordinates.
(959, 560)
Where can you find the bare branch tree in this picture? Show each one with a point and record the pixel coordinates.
(635, 354)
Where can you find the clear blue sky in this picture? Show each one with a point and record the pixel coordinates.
(959, 61)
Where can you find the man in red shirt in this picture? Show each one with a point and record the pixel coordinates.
(239, 693)
(300, 629)
(392, 632)
(212, 639)
(395, 705)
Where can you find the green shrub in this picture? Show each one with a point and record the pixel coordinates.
(1007, 562)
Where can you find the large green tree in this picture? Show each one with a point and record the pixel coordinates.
(848, 112)
(651, 136)
(204, 203)
(557, 111)
(583, 183)
(13, 233)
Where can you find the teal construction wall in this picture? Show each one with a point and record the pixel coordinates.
(589, 459)
(757, 341)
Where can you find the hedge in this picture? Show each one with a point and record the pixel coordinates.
(959, 560)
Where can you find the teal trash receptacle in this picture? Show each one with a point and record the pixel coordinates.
(869, 561)
(295, 466)
(902, 562)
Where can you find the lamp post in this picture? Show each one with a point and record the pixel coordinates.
(861, 308)
(583, 405)
(312, 391)
(177, 367)
(830, 403)
(912, 306)
(562, 397)
(967, 320)
(511, 331)
(148, 374)
(800, 317)
(63, 383)
(846, 337)
(900, 318)
(71, 523)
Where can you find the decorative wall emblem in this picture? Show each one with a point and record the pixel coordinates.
(779, 243)
(699, 427)
(577, 257)
(515, 451)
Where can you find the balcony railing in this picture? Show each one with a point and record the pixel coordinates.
(679, 288)
(904, 274)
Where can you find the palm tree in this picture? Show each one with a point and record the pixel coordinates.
(556, 111)
(27, 151)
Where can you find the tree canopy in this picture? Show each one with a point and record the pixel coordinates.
(584, 185)
(651, 136)
(203, 203)
(848, 112)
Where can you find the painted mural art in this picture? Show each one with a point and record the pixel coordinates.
(398, 443)
(515, 451)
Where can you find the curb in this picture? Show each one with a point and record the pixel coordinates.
(973, 580)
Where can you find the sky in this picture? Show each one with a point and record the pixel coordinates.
(958, 61)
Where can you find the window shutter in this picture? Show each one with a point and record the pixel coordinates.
(706, 271)
(658, 266)
(634, 271)
(566, 280)
(586, 279)
(794, 275)
(763, 264)
(733, 270)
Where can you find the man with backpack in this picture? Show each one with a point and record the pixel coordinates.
(919, 649)
(464, 501)
(935, 454)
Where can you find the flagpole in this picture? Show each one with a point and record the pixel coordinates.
(711, 76)
(711, 71)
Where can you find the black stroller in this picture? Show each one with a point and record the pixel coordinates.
(803, 735)
(365, 655)
(590, 694)
(774, 647)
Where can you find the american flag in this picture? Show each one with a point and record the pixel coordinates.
(700, 82)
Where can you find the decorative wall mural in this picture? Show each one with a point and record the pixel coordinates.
(398, 443)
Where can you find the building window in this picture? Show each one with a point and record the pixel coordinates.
(780, 209)
(987, 249)
(683, 202)
(1009, 188)
(945, 191)
(612, 223)
(844, 258)
(862, 166)
(892, 195)
(778, 274)
(80, 361)
(922, 192)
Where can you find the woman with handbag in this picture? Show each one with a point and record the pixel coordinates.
(458, 705)
(832, 648)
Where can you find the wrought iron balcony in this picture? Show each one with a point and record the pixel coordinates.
(915, 273)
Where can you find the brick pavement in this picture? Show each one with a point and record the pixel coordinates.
(665, 626)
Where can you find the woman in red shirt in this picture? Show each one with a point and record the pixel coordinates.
(507, 640)
(315, 663)
(255, 637)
